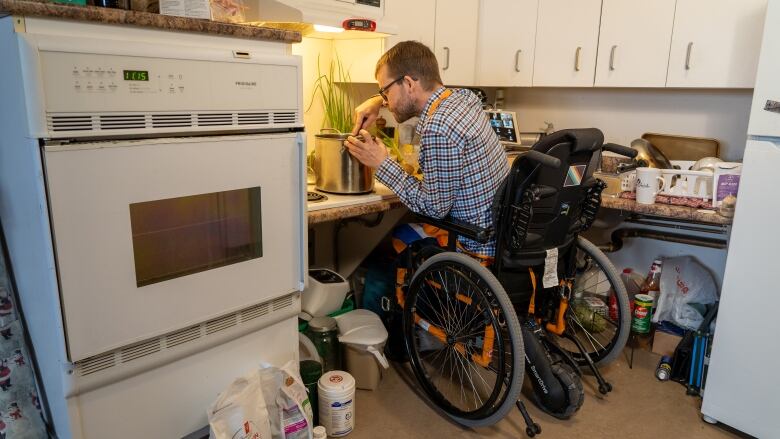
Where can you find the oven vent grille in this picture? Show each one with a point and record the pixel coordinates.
(71, 123)
(122, 122)
(183, 336)
(253, 118)
(254, 312)
(220, 324)
(90, 123)
(215, 119)
(284, 117)
(171, 120)
(96, 364)
(160, 344)
(283, 302)
(140, 350)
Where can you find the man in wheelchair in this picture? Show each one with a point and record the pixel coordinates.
(517, 288)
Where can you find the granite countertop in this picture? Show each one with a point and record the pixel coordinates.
(607, 202)
(37, 8)
(665, 210)
(336, 213)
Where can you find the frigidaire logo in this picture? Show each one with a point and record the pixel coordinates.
(246, 83)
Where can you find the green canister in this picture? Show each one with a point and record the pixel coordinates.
(323, 332)
(311, 371)
(640, 322)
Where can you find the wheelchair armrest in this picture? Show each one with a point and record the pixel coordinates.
(459, 227)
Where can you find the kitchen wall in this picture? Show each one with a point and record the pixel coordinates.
(312, 51)
(624, 114)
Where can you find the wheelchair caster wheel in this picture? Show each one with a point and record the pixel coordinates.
(531, 432)
(603, 390)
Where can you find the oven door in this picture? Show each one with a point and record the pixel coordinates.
(155, 235)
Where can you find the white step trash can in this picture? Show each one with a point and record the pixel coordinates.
(363, 337)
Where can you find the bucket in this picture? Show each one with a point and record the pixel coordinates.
(337, 171)
(337, 403)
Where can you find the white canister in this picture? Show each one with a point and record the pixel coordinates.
(648, 184)
(336, 392)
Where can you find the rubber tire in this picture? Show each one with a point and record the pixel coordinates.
(624, 326)
(575, 394)
(513, 329)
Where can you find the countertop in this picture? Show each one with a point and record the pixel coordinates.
(665, 210)
(389, 202)
(37, 8)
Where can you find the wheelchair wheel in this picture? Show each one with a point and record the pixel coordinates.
(599, 314)
(463, 339)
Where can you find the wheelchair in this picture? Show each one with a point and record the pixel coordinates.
(549, 304)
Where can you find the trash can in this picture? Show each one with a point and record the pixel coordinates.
(363, 337)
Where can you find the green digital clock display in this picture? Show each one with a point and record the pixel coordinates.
(136, 75)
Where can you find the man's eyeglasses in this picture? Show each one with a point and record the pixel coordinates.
(384, 89)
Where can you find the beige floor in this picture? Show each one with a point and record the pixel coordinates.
(639, 407)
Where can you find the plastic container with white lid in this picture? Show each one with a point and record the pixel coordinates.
(363, 330)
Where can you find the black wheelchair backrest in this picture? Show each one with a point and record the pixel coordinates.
(540, 207)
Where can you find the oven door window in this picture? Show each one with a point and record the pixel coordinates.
(176, 237)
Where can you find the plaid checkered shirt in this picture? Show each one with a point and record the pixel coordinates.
(462, 163)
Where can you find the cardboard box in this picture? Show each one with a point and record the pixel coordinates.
(665, 343)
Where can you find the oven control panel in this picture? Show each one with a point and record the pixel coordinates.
(83, 82)
(107, 79)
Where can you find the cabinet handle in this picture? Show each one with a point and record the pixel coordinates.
(688, 56)
(577, 59)
(517, 60)
(612, 58)
(447, 59)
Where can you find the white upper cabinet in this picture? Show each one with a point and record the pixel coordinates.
(715, 43)
(634, 43)
(567, 34)
(505, 43)
(456, 39)
(414, 19)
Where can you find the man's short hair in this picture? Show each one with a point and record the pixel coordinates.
(411, 58)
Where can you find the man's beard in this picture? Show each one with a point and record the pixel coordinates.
(405, 111)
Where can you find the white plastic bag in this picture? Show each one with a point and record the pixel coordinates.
(240, 411)
(685, 285)
(269, 403)
(289, 408)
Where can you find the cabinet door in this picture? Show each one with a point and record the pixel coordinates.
(505, 44)
(414, 19)
(456, 40)
(715, 43)
(631, 55)
(566, 41)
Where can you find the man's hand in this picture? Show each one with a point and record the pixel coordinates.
(366, 113)
(369, 152)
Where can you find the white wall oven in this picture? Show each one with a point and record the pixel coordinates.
(153, 201)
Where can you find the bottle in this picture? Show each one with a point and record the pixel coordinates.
(652, 284)
(664, 370)
(633, 282)
(319, 432)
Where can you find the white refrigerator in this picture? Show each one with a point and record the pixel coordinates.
(743, 383)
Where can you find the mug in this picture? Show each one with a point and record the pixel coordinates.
(648, 183)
